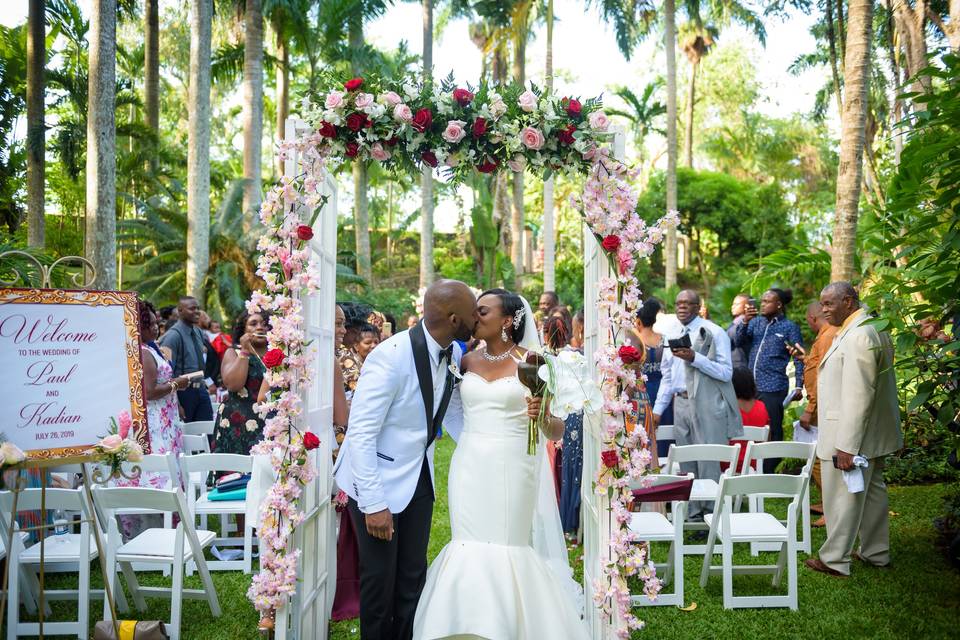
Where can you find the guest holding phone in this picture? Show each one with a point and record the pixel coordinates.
(238, 427)
(769, 339)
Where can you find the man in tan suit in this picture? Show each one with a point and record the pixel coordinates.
(858, 414)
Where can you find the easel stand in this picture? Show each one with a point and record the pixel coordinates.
(88, 481)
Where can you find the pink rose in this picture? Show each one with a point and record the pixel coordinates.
(517, 163)
(599, 121)
(377, 152)
(363, 100)
(455, 131)
(527, 101)
(390, 98)
(497, 106)
(532, 138)
(334, 100)
(124, 422)
(402, 113)
(112, 443)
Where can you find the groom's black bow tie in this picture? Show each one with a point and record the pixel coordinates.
(447, 353)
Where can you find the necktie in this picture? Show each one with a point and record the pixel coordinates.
(446, 353)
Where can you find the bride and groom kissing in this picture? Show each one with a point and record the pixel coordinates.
(504, 575)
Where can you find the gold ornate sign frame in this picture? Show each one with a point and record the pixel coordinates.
(131, 322)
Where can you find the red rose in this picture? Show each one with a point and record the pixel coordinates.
(610, 458)
(236, 417)
(422, 120)
(629, 354)
(327, 130)
(305, 232)
(356, 121)
(611, 243)
(273, 358)
(479, 127)
(566, 135)
(462, 96)
(392, 142)
(353, 85)
(573, 107)
(352, 150)
(430, 158)
(310, 441)
(487, 166)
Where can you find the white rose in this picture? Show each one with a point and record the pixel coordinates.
(11, 454)
(402, 113)
(363, 100)
(599, 121)
(251, 425)
(528, 101)
(334, 100)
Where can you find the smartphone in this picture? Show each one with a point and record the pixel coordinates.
(835, 462)
(193, 375)
(387, 328)
(683, 342)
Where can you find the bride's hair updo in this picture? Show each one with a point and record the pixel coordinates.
(512, 308)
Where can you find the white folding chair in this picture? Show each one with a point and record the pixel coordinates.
(731, 527)
(750, 434)
(665, 432)
(73, 550)
(652, 526)
(198, 428)
(757, 452)
(171, 547)
(704, 489)
(193, 445)
(195, 469)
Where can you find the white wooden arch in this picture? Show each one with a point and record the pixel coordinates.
(306, 616)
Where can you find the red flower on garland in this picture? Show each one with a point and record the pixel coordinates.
(479, 127)
(487, 166)
(610, 458)
(422, 120)
(357, 121)
(305, 232)
(566, 135)
(430, 158)
(629, 355)
(327, 130)
(310, 441)
(353, 85)
(352, 150)
(273, 358)
(573, 107)
(462, 96)
(611, 243)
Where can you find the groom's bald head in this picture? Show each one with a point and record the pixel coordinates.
(449, 311)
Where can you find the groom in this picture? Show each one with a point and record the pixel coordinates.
(386, 461)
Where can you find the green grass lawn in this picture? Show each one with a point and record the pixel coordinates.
(918, 598)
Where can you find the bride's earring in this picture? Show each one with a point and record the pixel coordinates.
(503, 335)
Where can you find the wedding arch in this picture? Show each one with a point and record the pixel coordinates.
(406, 126)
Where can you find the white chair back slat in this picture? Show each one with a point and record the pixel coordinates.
(206, 462)
(678, 454)
(755, 434)
(665, 432)
(195, 444)
(198, 428)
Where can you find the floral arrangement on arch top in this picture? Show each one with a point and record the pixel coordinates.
(407, 124)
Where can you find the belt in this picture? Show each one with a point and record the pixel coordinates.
(681, 394)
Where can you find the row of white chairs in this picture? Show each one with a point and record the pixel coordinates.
(727, 525)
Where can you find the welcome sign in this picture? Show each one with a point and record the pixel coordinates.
(71, 362)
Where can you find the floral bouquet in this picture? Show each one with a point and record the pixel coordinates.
(527, 372)
(10, 454)
(115, 448)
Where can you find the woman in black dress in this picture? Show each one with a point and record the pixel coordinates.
(238, 427)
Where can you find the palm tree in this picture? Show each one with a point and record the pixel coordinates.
(151, 64)
(856, 81)
(549, 240)
(361, 204)
(669, 40)
(101, 222)
(252, 105)
(36, 130)
(426, 180)
(520, 18)
(198, 149)
(286, 17)
(641, 112)
(696, 40)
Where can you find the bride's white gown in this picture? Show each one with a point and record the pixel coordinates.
(489, 582)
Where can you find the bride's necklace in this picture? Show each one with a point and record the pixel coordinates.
(489, 358)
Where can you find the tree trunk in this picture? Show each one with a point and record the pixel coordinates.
(426, 177)
(517, 214)
(198, 149)
(361, 216)
(101, 201)
(850, 172)
(151, 77)
(36, 129)
(252, 107)
(670, 42)
(953, 29)
(549, 241)
(832, 42)
(283, 90)
(691, 100)
(911, 23)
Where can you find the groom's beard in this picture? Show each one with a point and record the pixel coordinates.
(464, 333)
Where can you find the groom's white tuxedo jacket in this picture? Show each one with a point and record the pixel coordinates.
(388, 432)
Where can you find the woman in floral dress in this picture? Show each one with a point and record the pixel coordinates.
(238, 427)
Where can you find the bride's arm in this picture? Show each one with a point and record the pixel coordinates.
(551, 426)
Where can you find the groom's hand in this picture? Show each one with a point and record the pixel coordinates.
(380, 524)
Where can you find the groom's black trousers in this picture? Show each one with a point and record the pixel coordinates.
(392, 574)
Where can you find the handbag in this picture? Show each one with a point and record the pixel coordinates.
(130, 630)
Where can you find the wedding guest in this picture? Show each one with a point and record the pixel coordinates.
(347, 356)
(369, 339)
(653, 345)
(561, 311)
(218, 339)
(548, 300)
(164, 318)
(557, 336)
(389, 327)
(752, 410)
(238, 427)
(412, 321)
(576, 337)
(769, 340)
(737, 310)
(859, 418)
(185, 341)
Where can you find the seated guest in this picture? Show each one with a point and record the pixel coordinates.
(752, 410)
(238, 427)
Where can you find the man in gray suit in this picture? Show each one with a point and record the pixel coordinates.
(859, 415)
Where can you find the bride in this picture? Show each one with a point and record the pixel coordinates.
(505, 573)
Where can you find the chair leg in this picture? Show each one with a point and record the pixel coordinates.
(209, 587)
(83, 595)
(13, 591)
(247, 547)
(176, 596)
(727, 574)
(29, 589)
(111, 578)
(134, 585)
(781, 562)
(708, 557)
(670, 562)
(678, 573)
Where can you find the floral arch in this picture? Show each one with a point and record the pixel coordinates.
(406, 125)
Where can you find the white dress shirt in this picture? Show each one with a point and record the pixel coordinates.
(674, 374)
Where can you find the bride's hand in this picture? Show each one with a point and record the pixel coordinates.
(533, 407)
